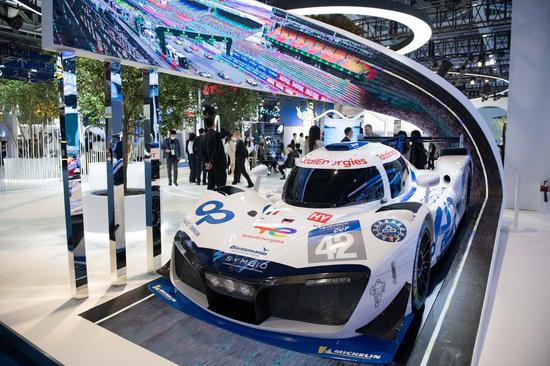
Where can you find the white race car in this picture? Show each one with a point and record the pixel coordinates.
(336, 265)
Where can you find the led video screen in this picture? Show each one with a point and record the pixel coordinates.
(246, 44)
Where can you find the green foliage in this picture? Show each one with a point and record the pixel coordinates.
(132, 96)
(234, 105)
(90, 87)
(177, 97)
(34, 103)
(340, 21)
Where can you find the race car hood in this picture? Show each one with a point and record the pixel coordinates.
(247, 224)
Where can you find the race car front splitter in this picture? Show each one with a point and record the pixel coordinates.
(363, 348)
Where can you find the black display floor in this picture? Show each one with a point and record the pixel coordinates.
(143, 319)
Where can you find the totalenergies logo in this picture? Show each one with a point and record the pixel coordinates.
(279, 232)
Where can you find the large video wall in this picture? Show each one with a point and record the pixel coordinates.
(242, 43)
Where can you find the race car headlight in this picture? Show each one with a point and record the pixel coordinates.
(230, 287)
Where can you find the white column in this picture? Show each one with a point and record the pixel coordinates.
(528, 129)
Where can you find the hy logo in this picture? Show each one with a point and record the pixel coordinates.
(279, 232)
(319, 217)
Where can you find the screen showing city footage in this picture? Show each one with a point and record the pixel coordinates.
(244, 43)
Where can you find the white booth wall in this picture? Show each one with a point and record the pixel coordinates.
(528, 129)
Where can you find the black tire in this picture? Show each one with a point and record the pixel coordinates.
(421, 269)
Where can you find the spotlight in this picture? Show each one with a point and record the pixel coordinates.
(481, 60)
(472, 81)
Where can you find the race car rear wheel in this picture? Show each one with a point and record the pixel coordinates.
(422, 265)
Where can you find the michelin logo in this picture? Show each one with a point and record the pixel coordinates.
(161, 291)
(337, 352)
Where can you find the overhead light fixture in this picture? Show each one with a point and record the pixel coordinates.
(473, 75)
(481, 60)
(472, 81)
(410, 17)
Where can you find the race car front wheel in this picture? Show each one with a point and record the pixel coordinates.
(421, 272)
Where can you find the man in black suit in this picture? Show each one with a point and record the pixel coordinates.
(349, 134)
(214, 156)
(198, 147)
(241, 154)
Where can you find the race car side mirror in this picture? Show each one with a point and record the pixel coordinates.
(259, 171)
(427, 181)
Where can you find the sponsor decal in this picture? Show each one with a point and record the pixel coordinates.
(264, 238)
(319, 217)
(191, 226)
(337, 242)
(240, 263)
(164, 293)
(325, 162)
(389, 230)
(249, 251)
(287, 221)
(446, 229)
(337, 352)
(377, 290)
(386, 154)
(280, 232)
(212, 213)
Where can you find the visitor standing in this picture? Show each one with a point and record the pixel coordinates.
(348, 132)
(289, 161)
(191, 156)
(294, 140)
(301, 139)
(405, 149)
(214, 156)
(172, 150)
(241, 154)
(198, 147)
(314, 139)
(232, 143)
(419, 155)
(306, 145)
(369, 131)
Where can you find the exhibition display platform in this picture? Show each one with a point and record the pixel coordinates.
(130, 325)
(161, 326)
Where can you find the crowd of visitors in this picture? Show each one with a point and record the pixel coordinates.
(214, 155)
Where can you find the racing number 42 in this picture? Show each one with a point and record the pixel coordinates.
(336, 247)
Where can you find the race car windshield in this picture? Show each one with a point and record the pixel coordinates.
(323, 188)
